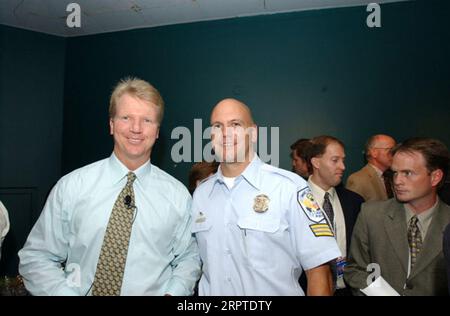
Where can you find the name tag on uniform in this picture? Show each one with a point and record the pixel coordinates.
(341, 262)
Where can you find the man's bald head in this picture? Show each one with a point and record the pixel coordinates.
(232, 107)
(379, 141)
(233, 132)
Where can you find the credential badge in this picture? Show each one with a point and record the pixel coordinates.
(261, 203)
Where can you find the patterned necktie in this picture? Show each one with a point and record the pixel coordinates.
(414, 240)
(328, 208)
(113, 255)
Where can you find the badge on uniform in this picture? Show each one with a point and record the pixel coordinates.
(201, 218)
(261, 203)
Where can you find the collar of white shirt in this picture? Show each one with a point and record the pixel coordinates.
(378, 171)
(118, 170)
(250, 174)
(319, 193)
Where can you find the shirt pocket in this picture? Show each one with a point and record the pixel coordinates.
(201, 231)
(258, 234)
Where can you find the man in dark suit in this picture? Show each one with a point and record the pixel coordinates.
(400, 240)
(326, 156)
(447, 253)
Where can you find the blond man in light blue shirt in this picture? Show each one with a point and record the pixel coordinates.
(61, 253)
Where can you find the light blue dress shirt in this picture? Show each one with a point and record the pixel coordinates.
(249, 252)
(162, 255)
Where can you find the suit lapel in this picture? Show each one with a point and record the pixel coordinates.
(432, 244)
(376, 182)
(350, 212)
(395, 226)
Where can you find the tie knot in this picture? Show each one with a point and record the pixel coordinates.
(413, 221)
(327, 196)
(130, 178)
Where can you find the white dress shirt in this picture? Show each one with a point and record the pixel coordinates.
(339, 219)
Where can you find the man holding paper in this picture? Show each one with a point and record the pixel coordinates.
(398, 243)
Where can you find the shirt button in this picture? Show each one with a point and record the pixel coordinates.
(227, 251)
(229, 279)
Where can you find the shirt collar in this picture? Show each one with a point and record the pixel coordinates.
(118, 170)
(250, 174)
(318, 192)
(378, 171)
(422, 217)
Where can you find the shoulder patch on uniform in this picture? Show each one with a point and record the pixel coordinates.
(309, 205)
(321, 230)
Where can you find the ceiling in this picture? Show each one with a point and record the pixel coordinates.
(101, 16)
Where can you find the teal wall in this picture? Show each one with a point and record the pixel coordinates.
(31, 116)
(309, 73)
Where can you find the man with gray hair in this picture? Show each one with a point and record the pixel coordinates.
(121, 225)
(370, 182)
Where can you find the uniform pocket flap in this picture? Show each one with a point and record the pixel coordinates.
(265, 224)
(200, 226)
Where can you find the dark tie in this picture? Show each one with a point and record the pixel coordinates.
(387, 179)
(113, 255)
(328, 208)
(414, 240)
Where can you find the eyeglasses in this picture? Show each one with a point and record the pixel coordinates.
(386, 148)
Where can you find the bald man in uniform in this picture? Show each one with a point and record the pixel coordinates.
(257, 226)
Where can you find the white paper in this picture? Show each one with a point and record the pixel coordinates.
(380, 288)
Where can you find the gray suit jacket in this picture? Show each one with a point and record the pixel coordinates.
(380, 236)
(368, 184)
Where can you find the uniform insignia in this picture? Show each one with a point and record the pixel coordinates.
(309, 205)
(200, 218)
(261, 203)
(320, 230)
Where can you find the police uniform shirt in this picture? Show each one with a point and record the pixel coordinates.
(258, 236)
